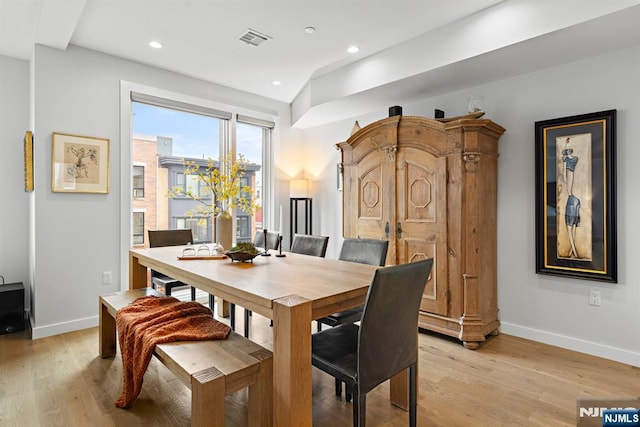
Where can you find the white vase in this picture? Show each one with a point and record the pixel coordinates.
(224, 230)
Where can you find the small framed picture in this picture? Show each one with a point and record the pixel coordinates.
(80, 164)
(576, 196)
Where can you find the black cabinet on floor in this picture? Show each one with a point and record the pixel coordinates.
(11, 308)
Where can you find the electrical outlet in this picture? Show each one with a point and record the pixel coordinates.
(106, 278)
(595, 298)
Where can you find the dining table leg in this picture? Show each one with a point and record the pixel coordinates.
(399, 387)
(292, 362)
(399, 390)
(137, 273)
(223, 308)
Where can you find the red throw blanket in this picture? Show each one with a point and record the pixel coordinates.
(150, 320)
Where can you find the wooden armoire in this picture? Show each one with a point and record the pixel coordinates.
(430, 188)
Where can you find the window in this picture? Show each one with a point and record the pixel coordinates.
(246, 182)
(191, 184)
(200, 228)
(138, 228)
(138, 182)
(166, 133)
(165, 137)
(253, 140)
(243, 228)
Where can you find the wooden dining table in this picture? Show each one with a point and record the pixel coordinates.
(292, 291)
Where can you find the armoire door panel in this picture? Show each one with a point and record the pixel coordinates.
(370, 194)
(422, 219)
(422, 249)
(420, 190)
(375, 191)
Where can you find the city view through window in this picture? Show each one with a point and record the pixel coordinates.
(163, 139)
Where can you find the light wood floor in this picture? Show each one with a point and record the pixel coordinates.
(61, 381)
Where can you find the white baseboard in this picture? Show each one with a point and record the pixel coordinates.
(570, 343)
(563, 341)
(61, 328)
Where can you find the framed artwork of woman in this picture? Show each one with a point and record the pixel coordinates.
(575, 197)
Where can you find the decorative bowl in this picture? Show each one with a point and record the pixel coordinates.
(241, 256)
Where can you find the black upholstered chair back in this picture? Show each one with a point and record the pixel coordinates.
(310, 245)
(364, 251)
(159, 238)
(388, 337)
(273, 240)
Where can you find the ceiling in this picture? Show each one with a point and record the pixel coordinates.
(399, 41)
(200, 38)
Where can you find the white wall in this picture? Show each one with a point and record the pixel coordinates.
(545, 308)
(77, 235)
(14, 202)
(77, 91)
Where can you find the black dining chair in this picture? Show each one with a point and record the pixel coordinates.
(308, 244)
(363, 251)
(158, 238)
(385, 343)
(273, 242)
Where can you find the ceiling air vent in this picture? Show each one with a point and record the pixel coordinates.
(253, 37)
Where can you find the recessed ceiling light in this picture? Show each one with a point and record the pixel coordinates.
(155, 45)
(353, 49)
(309, 30)
(276, 82)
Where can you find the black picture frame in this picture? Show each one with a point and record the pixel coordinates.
(576, 196)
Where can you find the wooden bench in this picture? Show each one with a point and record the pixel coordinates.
(211, 369)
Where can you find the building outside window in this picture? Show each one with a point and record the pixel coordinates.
(243, 228)
(138, 182)
(192, 184)
(179, 205)
(200, 228)
(246, 181)
(194, 133)
(138, 228)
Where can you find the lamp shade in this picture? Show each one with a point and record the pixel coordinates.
(299, 188)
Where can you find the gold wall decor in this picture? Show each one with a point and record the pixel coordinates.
(28, 161)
